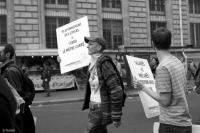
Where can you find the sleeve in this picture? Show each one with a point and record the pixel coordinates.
(14, 78)
(163, 80)
(7, 118)
(114, 87)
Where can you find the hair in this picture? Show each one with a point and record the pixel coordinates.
(161, 38)
(156, 59)
(102, 42)
(102, 48)
(9, 49)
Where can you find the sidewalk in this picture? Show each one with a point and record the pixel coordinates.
(64, 96)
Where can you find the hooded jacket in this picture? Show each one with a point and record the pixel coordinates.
(111, 92)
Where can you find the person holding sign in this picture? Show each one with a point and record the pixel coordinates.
(104, 93)
(170, 82)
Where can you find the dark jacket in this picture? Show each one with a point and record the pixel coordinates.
(46, 74)
(8, 107)
(24, 121)
(110, 91)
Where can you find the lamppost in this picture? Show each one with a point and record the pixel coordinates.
(181, 22)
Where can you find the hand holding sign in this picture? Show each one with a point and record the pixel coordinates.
(143, 80)
(58, 59)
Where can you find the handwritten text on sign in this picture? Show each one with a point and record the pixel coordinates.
(141, 71)
(71, 46)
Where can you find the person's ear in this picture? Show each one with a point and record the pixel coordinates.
(99, 47)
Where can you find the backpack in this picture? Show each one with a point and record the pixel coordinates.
(28, 88)
(118, 74)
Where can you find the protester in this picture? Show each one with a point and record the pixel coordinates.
(170, 82)
(197, 79)
(11, 73)
(192, 70)
(104, 91)
(153, 65)
(8, 107)
(184, 60)
(46, 77)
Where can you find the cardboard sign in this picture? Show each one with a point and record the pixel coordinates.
(71, 46)
(141, 71)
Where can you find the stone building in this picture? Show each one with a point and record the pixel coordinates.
(126, 24)
(30, 24)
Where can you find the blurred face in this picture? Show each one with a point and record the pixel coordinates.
(153, 61)
(3, 56)
(93, 47)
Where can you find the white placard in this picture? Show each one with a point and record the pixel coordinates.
(71, 46)
(141, 71)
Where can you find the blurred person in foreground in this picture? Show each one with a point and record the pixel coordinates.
(104, 91)
(12, 74)
(170, 82)
(8, 107)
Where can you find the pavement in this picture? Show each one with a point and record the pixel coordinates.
(64, 96)
(77, 95)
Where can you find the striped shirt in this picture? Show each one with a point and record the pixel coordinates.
(171, 77)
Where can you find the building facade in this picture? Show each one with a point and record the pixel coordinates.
(30, 25)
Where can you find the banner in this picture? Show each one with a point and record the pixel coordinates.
(57, 82)
(141, 71)
(71, 46)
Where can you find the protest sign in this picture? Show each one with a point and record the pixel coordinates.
(71, 46)
(141, 71)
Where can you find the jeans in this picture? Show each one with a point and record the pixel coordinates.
(46, 88)
(166, 128)
(95, 121)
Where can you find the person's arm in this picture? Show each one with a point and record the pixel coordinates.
(163, 98)
(163, 84)
(18, 98)
(58, 59)
(185, 60)
(115, 89)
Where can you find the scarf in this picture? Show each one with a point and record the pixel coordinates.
(93, 61)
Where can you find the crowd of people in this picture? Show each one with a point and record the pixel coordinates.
(104, 96)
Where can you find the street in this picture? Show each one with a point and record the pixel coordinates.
(68, 117)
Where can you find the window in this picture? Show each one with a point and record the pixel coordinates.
(50, 1)
(51, 24)
(3, 30)
(194, 6)
(157, 5)
(63, 2)
(59, 2)
(195, 34)
(111, 3)
(113, 33)
(155, 25)
(3, 3)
